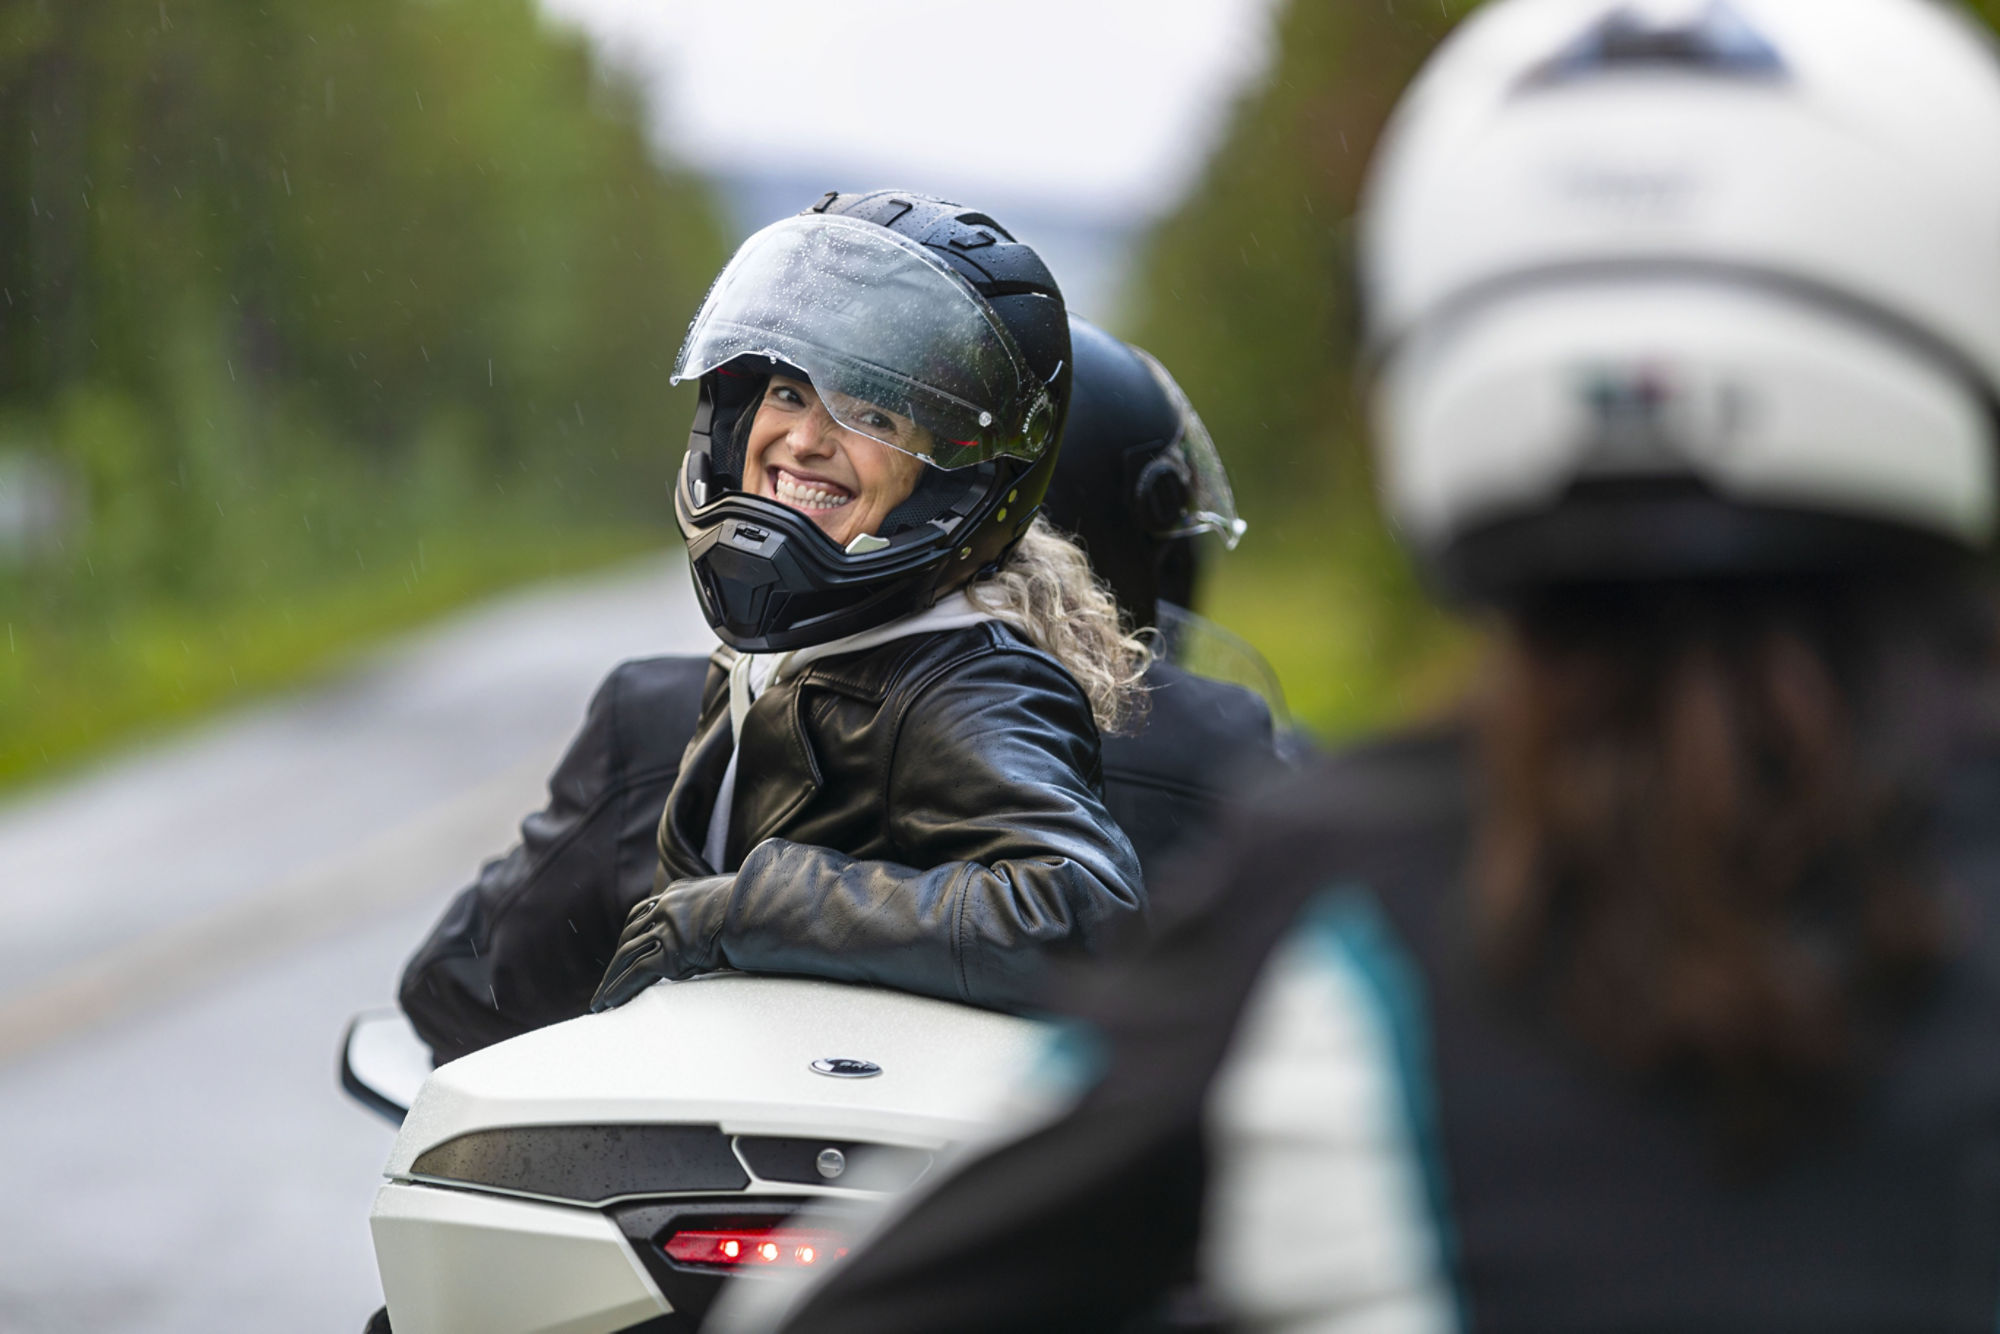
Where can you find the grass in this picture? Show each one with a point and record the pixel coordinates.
(1345, 624)
(74, 691)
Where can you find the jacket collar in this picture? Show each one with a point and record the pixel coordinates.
(777, 744)
(692, 797)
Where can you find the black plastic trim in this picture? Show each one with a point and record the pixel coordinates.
(389, 1110)
(868, 1166)
(1672, 529)
(588, 1164)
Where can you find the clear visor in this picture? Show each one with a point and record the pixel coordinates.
(898, 347)
(1194, 643)
(1211, 504)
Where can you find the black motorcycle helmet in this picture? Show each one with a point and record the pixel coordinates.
(1138, 478)
(895, 300)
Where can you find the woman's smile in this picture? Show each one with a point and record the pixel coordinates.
(846, 482)
(807, 493)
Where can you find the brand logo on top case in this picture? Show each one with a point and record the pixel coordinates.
(845, 1067)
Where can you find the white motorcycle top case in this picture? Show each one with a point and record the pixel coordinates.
(536, 1184)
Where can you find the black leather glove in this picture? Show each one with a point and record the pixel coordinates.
(668, 937)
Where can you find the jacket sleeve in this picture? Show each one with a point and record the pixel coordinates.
(1007, 855)
(524, 945)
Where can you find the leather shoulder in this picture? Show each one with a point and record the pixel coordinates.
(1196, 736)
(997, 653)
(1222, 708)
(874, 674)
(655, 705)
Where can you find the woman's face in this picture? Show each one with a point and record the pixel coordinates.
(845, 482)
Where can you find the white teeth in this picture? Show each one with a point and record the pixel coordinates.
(795, 493)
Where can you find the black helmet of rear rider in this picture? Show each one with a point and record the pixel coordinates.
(1139, 478)
(889, 298)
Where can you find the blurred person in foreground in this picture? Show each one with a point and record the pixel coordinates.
(1661, 991)
(1138, 483)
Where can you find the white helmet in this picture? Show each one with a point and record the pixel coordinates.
(1684, 287)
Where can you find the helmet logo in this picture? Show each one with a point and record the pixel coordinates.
(1647, 417)
(1712, 39)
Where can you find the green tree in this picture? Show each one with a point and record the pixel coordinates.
(315, 300)
(1247, 292)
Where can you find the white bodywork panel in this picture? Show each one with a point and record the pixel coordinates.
(736, 1050)
(454, 1262)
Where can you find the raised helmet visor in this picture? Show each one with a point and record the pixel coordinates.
(899, 348)
(1211, 503)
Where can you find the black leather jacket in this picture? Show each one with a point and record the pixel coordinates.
(927, 815)
(527, 942)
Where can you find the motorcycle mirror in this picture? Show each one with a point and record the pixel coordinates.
(383, 1063)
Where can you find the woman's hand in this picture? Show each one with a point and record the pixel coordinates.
(661, 941)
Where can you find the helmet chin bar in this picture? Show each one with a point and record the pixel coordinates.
(769, 579)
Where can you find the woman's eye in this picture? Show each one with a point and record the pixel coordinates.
(883, 426)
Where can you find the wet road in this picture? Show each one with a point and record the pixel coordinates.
(184, 932)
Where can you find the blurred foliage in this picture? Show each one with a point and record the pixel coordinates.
(1247, 292)
(328, 313)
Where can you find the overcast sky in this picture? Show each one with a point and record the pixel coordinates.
(1100, 106)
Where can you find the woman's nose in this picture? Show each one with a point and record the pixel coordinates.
(813, 433)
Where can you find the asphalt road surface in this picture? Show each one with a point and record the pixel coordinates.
(184, 933)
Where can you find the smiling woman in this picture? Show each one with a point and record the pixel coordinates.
(848, 483)
(894, 776)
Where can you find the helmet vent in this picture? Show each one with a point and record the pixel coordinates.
(1717, 40)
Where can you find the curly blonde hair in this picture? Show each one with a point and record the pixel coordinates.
(1047, 590)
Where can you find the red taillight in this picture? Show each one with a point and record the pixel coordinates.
(754, 1248)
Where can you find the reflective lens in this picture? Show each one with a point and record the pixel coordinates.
(1211, 504)
(899, 347)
